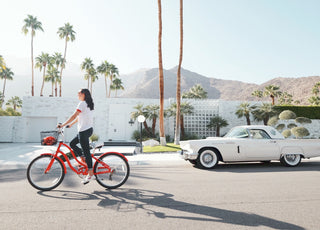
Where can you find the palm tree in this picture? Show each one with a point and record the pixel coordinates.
(92, 76)
(140, 110)
(116, 85)
(6, 74)
(58, 61)
(315, 89)
(285, 98)
(264, 112)
(244, 110)
(66, 32)
(16, 102)
(152, 113)
(104, 69)
(178, 93)
(42, 61)
(185, 109)
(2, 64)
(272, 91)
(161, 80)
(196, 92)
(257, 93)
(217, 122)
(52, 76)
(113, 72)
(33, 24)
(86, 65)
(314, 100)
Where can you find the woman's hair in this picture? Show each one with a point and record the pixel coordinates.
(88, 98)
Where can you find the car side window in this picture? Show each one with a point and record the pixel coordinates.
(259, 134)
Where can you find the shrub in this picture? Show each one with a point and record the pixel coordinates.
(303, 120)
(311, 112)
(300, 132)
(273, 121)
(291, 125)
(287, 115)
(145, 135)
(94, 138)
(286, 133)
(189, 136)
(280, 127)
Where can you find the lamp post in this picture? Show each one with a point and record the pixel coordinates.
(141, 119)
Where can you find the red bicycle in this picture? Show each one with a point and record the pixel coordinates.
(47, 171)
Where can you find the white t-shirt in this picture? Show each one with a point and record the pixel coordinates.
(85, 117)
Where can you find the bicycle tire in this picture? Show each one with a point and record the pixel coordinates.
(120, 174)
(41, 181)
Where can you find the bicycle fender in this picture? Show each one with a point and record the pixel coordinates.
(58, 158)
(120, 154)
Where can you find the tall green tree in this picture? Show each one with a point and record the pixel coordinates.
(196, 92)
(264, 112)
(41, 62)
(57, 61)
(244, 110)
(217, 122)
(140, 110)
(65, 32)
(31, 23)
(15, 102)
(178, 92)
(116, 85)
(152, 113)
(2, 64)
(92, 76)
(161, 79)
(52, 76)
(86, 65)
(113, 73)
(285, 99)
(185, 109)
(5, 75)
(104, 69)
(314, 100)
(272, 91)
(257, 93)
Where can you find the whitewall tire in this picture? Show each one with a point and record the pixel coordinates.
(207, 159)
(290, 160)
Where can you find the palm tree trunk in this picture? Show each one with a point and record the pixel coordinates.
(63, 64)
(218, 131)
(32, 84)
(52, 84)
(44, 73)
(4, 86)
(88, 82)
(178, 94)
(146, 127)
(248, 119)
(110, 85)
(161, 82)
(154, 121)
(182, 126)
(106, 84)
(91, 87)
(272, 98)
(55, 88)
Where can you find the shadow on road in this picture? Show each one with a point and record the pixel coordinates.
(256, 167)
(131, 200)
(11, 175)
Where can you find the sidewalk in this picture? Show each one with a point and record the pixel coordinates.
(19, 155)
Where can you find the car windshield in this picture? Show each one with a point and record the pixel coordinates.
(238, 132)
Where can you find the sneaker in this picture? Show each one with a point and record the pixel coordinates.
(87, 179)
(81, 176)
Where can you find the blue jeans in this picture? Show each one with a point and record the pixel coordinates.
(83, 139)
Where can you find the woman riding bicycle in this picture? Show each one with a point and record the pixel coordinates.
(84, 116)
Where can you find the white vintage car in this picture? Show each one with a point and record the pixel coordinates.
(249, 143)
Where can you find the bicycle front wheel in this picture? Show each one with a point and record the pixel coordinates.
(41, 180)
(111, 170)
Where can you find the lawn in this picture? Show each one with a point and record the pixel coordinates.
(170, 147)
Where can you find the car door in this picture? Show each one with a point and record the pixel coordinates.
(259, 146)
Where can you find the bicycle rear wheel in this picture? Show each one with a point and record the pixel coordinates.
(45, 181)
(111, 170)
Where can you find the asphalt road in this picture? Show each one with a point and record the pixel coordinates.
(170, 195)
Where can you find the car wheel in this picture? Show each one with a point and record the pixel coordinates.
(290, 160)
(207, 159)
(193, 162)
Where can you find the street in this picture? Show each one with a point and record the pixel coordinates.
(170, 194)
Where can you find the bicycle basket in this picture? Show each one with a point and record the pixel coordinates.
(49, 137)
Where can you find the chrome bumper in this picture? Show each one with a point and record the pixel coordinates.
(186, 155)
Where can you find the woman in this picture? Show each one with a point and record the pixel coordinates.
(84, 116)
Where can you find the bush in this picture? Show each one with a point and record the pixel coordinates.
(145, 135)
(9, 112)
(291, 125)
(189, 136)
(287, 115)
(300, 132)
(311, 112)
(303, 120)
(273, 121)
(280, 127)
(286, 133)
(94, 138)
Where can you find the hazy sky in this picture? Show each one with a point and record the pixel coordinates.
(247, 40)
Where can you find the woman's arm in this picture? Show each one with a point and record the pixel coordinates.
(72, 118)
(72, 123)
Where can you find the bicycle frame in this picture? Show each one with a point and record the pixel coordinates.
(83, 169)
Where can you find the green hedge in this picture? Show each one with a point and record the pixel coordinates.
(311, 112)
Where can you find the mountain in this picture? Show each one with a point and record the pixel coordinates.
(144, 83)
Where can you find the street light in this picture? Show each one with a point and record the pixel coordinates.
(141, 119)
